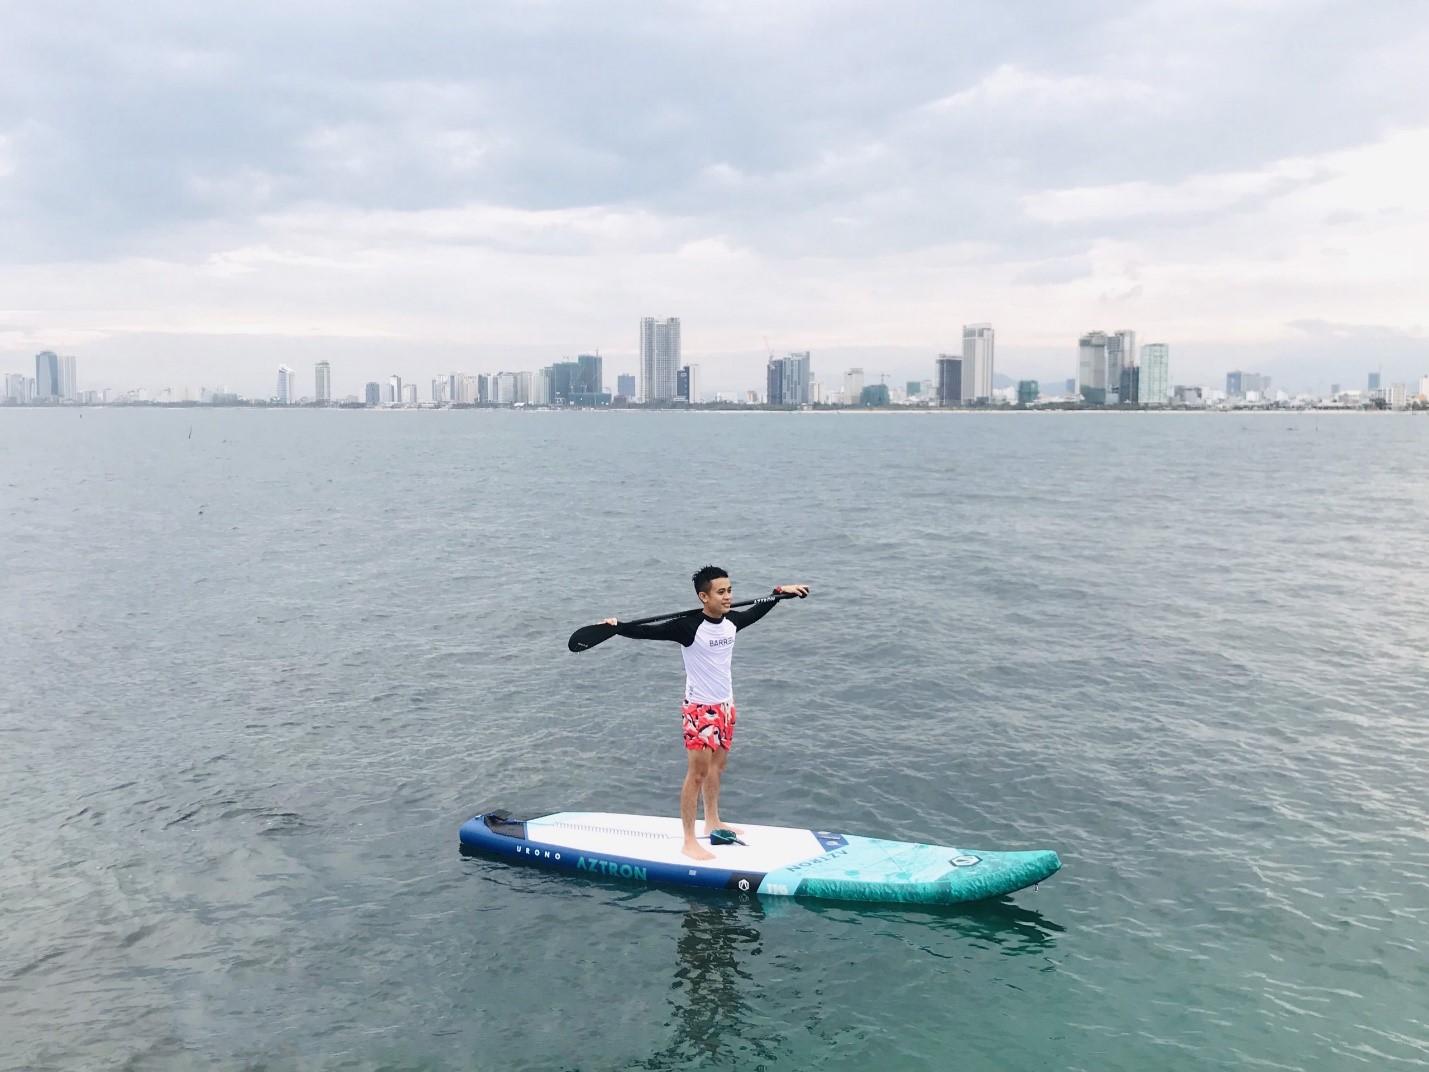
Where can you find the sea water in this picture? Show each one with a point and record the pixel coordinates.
(256, 668)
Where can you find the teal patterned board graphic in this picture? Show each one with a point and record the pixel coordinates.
(872, 869)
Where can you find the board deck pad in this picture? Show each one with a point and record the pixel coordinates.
(773, 861)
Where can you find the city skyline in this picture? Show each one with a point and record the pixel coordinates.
(412, 187)
(1143, 378)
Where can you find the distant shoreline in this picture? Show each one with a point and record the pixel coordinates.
(952, 411)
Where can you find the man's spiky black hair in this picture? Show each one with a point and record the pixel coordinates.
(707, 576)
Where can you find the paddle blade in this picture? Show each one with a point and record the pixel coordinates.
(588, 636)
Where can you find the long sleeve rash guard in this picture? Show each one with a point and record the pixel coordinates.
(708, 647)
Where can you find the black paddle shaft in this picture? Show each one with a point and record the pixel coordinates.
(588, 636)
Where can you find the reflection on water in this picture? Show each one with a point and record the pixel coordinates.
(715, 990)
(1002, 924)
(719, 1011)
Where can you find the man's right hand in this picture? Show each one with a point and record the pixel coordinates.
(609, 621)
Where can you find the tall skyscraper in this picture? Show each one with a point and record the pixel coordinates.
(322, 376)
(798, 378)
(977, 361)
(687, 384)
(69, 386)
(774, 382)
(625, 385)
(950, 380)
(287, 394)
(789, 380)
(503, 388)
(394, 389)
(853, 387)
(1373, 377)
(374, 393)
(1155, 374)
(1091, 367)
(47, 375)
(1120, 356)
(591, 374)
(659, 358)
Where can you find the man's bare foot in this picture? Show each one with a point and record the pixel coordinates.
(710, 828)
(695, 851)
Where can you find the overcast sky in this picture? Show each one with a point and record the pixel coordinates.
(194, 193)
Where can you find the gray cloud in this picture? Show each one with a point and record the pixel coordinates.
(824, 137)
(845, 126)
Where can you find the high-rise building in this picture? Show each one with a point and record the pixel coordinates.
(1186, 396)
(1092, 368)
(659, 358)
(625, 385)
(853, 387)
(789, 380)
(1120, 356)
(19, 389)
(1026, 392)
(565, 375)
(1398, 396)
(69, 385)
(287, 392)
(914, 388)
(47, 375)
(774, 382)
(1373, 379)
(1129, 391)
(687, 384)
(394, 389)
(590, 377)
(875, 394)
(1243, 384)
(543, 385)
(977, 362)
(374, 393)
(409, 394)
(798, 378)
(322, 388)
(1424, 387)
(503, 388)
(950, 380)
(1155, 374)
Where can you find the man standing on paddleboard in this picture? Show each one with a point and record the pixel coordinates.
(708, 711)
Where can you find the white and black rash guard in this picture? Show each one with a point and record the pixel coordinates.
(708, 647)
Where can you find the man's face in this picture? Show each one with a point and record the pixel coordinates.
(717, 599)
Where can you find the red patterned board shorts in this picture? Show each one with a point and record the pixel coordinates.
(708, 725)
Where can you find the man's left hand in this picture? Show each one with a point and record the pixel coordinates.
(800, 590)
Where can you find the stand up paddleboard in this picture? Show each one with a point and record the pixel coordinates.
(772, 861)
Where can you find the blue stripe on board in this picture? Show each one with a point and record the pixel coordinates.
(476, 836)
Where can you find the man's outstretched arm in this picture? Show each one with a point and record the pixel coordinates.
(681, 630)
(742, 618)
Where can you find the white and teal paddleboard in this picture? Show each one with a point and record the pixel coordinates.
(772, 861)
